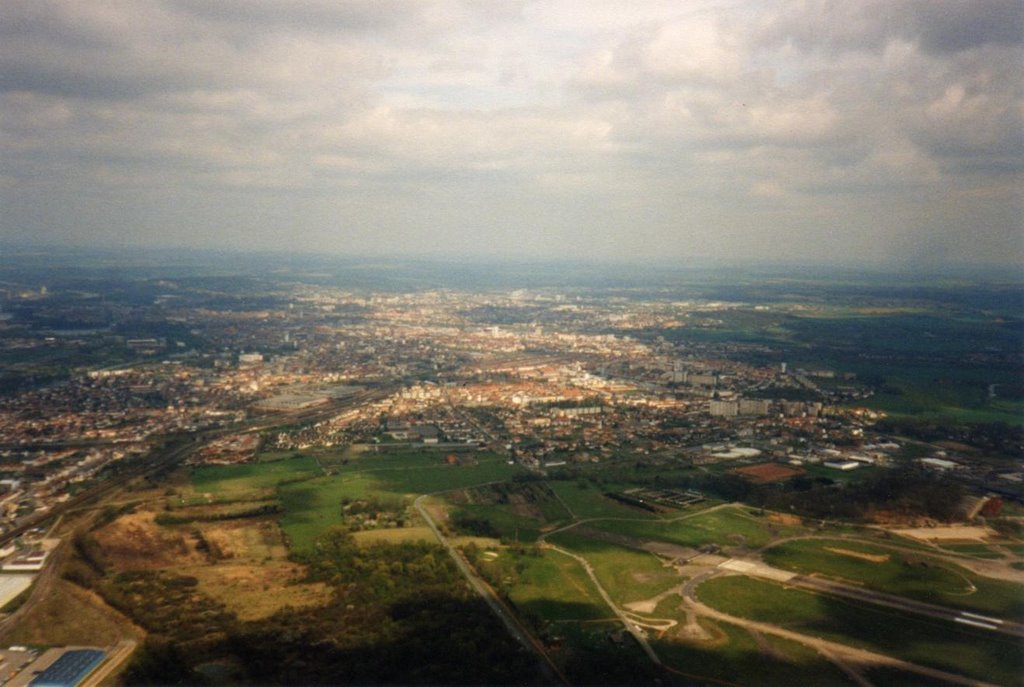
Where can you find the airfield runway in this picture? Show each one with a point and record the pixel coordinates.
(900, 603)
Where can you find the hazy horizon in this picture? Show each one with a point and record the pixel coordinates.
(882, 134)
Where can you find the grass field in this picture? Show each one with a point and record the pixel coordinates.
(625, 574)
(551, 587)
(976, 653)
(590, 502)
(395, 536)
(311, 506)
(912, 575)
(311, 499)
(512, 527)
(224, 482)
(736, 657)
(724, 527)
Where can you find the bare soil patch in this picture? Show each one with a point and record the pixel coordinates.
(254, 591)
(136, 542)
(669, 550)
(967, 533)
(870, 557)
(71, 616)
(784, 519)
(763, 473)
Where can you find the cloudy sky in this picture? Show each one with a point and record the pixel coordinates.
(885, 131)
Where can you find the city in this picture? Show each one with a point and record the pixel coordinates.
(511, 342)
(530, 422)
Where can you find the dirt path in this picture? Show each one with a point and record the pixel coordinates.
(631, 626)
(998, 570)
(676, 519)
(824, 647)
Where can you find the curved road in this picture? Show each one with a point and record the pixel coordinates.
(822, 646)
(631, 627)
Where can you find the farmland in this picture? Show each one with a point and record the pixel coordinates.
(241, 548)
(229, 562)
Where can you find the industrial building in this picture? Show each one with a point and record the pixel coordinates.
(70, 669)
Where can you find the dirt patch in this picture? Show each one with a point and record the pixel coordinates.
(870, 557)
(763, 473)
(670, 551)
(254, 540)
(526, 510)
(703, 634)
(70, 615)
(136, 542)
(255, 591)
(784, 519)
(395, 535)
(951, 533)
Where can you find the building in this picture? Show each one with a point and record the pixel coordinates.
(844, 465)
(939, 464)
(250, 358)
(753, 406)
(33, 561)
(70, 669)
(290, 402)
(724, 408)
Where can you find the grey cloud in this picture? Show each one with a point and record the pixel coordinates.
(744, 128)
(312, 15)
(939, 26)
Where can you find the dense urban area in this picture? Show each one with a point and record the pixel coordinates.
(505, 477)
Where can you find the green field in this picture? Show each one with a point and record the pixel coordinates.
(548, 587)
(913, 575)
(626, 575)
(737, 658)
(976, 653)
(587, 501)
(312, 500)
(224, 482)
(724, 527)
(915, 357)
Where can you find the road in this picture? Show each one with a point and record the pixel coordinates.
(487, 593)
(824, 647)
(176, 451)
(115, 659)
(1014, 629)
(631, 627)
(999, 569)
(42, 587)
